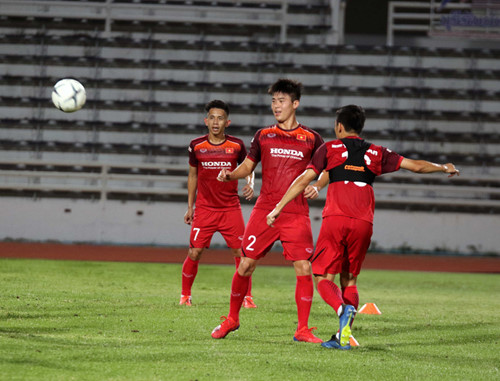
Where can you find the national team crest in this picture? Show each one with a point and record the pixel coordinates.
(229, 150)
(301, 137)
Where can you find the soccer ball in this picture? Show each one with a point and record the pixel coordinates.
(69, 95)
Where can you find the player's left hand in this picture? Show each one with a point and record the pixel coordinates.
(248, 192)
(311, 192)
(271, 217)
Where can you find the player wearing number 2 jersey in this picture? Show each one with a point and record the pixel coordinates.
(217, 204)
(352, 165)
(284, 149)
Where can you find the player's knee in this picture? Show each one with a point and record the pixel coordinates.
(317, 279)
(347, 279)
(195, 253)
(302, 267)
(247, 266)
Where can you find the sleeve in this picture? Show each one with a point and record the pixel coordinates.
(318, 141)
(254, 153)
(318, 161)
(193, 161)
(391, 161)
(243, 153)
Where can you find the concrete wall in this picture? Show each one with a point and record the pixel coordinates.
(161, 223)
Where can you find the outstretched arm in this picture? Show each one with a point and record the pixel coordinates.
(423, 166)
(192, 187)
(243, 170)
(297, 187)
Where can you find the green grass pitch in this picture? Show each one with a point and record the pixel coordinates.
(65, 320)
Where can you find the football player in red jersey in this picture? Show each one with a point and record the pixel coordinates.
(217, 204)
(352, 165)
(284, 149)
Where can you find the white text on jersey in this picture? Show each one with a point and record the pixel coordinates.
(217, 164)
(287, 152)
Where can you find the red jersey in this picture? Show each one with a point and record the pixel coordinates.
(353, 198)
(284, 155)
(210, 159)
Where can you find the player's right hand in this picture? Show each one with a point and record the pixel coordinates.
(451, 169)
(271, 217)
(224, 175)
(188, 216)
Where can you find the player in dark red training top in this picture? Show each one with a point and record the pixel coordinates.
(352, 165)
(217, 204)
(284, 149)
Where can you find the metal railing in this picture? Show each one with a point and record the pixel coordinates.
(110, 12)
(233, 12)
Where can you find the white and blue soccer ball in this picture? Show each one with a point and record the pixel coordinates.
(69, 95)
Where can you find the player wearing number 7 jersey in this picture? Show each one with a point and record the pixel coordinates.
(284, 149)
(217, 204)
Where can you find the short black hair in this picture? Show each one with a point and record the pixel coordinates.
(352, 117)
(286, 86)
(217, 103)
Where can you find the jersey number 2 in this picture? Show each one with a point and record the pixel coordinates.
(251, 238)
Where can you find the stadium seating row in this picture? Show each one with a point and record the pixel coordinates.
(471, 154)
(250, 67)
(202, 43)
(62, 126)
(246, 87)
(101, 181)
(327, 111)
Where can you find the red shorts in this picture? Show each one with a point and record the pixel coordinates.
(342, 245)
(228, 223)
(293, 230)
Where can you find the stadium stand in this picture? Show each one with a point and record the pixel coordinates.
(147, 81)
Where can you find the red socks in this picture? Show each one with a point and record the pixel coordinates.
(330, 293)
(239, 288)
(304, 291)
(189, 271)
(237, 261)
(351, 296)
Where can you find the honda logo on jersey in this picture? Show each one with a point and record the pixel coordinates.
(288, 153)
(216, 164)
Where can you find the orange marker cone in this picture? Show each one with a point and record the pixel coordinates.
(353, 342)
(370, 309)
